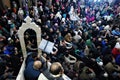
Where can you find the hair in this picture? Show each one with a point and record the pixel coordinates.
(34, 55)
(56, 68)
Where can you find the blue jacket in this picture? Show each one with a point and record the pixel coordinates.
(116, 33)
(117, 60)
(30, 73)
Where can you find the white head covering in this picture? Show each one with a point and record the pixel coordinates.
(63, 20)
(100, 63)
(117, 45)
(105, 74)
(9, 38)
(56, 24)
(107, 27)
(58, 15)
(94, 25)
(100, 22)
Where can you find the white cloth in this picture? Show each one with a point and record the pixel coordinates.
(58, 15)
(77, 38)
(73, 15)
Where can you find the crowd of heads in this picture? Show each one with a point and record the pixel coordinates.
(86, 35)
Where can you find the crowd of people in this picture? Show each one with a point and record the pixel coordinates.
(86, 36)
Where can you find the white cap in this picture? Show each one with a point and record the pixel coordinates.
(99, 39)
(5, 16)
(56, 24)
(105, 74)
(84, 19)
(93, 25)
(9, 39)
(100, 63)
(97, 28)
(99, 22)
(58, 15)
(107, 27)
(108, 18)
(63, 20)
(117, 45)
(9, 22)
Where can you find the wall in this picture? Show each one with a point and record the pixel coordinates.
(6, 3)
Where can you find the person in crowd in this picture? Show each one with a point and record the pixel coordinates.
(68, 37)
(112, 68)
(85, 73)
(55, 72)
(20, 14)
(30, 46)
(75, 26)
(115, 50)
(32, 56)
(116, 32)
(16, 59)
(69, 58)
(117, 60)
(32, 71)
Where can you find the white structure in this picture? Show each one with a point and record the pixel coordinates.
(22, 29)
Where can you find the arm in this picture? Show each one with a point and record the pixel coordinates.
(56, 50)
(69, 60)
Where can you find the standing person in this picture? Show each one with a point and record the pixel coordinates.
(116, 50)
(55, 73)
(21, 14)
(14, 6)
(32, 70)
(86, 73)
